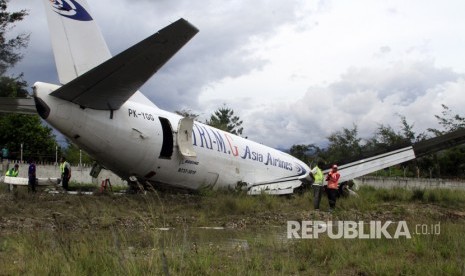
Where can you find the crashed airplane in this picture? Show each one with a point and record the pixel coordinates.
(98, 107)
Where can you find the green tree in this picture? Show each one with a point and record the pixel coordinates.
(9, 54)
(450, 162)
(448, 121)
(38, 140)
(343, 145)
(74, 155)
(300, 152)
(407, 131)
(386, 138)
(13, 87)
(224, 119)
(306, 153)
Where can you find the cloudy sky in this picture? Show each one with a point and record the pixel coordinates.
(294, 71)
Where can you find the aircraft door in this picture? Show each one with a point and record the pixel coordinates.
(184, 137)
(167, 147)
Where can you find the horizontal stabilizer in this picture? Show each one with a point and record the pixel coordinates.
(18, 105)
(110, 84)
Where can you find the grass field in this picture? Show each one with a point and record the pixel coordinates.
(44, 234)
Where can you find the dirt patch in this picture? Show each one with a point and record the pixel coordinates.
(23, 211)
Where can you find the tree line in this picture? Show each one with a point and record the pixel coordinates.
(346, 145)
(25, 136)
(40, 143)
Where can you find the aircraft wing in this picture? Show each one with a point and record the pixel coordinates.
(110, 84)
(18, 105)
(381, 161)
(375, 163)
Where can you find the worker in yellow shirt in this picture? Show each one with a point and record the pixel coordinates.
(13, 172)
(318, 187)
(65, 169)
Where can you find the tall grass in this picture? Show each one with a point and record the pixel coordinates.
(45, 234)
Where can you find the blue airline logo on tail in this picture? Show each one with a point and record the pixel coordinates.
(70, 9)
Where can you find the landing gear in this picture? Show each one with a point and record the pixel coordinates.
(137, 187)
(347, 189)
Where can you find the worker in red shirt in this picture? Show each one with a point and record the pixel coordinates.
(332, 188)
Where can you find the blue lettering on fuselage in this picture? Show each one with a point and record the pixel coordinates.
(270, 160)
(219, 141)
(252, 155)
(205, 137)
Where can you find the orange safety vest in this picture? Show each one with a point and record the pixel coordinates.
(333, 179)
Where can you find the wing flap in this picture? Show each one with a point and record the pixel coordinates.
(109, 85)
(282, 187)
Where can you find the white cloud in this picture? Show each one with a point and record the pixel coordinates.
(366, 97)
(294, 71)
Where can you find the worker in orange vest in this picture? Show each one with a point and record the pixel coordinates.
(332, 188)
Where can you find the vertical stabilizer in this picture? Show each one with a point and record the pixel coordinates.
(77, 42)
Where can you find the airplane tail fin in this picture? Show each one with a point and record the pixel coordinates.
(77, 42)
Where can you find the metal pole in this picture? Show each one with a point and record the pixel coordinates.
(80, 158)
(21, 152)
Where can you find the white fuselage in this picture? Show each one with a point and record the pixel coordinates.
(139, 141)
